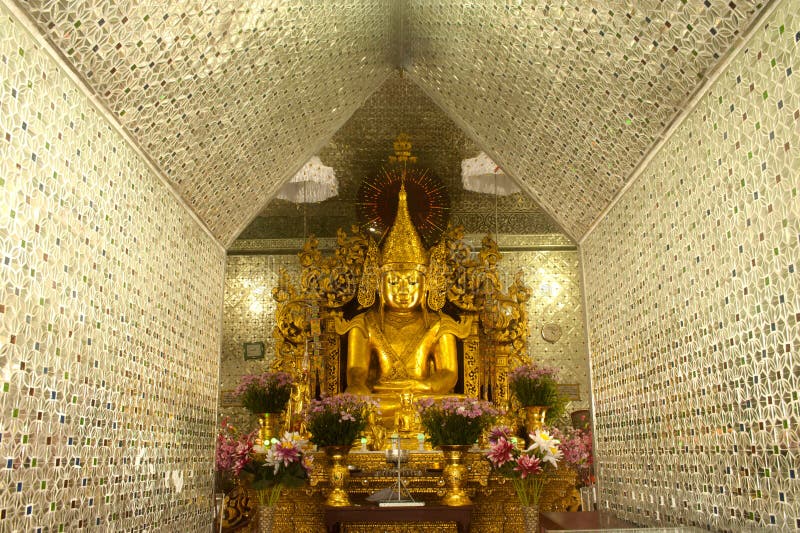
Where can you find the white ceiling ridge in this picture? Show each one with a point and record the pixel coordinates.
(686, 109)
(294, 169)
(466, 128)
(25, 20)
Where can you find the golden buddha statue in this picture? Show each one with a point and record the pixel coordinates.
(399, 345)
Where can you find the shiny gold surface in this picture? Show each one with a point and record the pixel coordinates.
(454, 476)
(496, 509)
(311, 323)
(402, 245)
(338, 476)
(269, 426)
(534, 417)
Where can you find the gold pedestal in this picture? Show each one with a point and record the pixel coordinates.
(340, 475)
(455, 474)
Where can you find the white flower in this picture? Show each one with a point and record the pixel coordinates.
(547, 445)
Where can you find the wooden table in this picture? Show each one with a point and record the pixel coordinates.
(432, 512)
(581, 520)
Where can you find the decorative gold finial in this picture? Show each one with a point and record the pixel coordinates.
(402, 150)
(403, 247)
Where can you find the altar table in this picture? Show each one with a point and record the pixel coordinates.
(335, 516)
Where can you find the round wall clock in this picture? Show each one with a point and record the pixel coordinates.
(551, 332)
(428, 201)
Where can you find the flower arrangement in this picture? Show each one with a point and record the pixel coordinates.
(536, 386)
(524, 467)
(338, 420)
(265, 393)
(232, 453)
(576, 445)
(285, 465)
(455, 421)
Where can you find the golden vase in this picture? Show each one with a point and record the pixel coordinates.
(339, 476)
(454, 474)
(534, 417)
(269, 426)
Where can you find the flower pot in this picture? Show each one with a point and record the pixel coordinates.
(454, 475)
(339, 475)
(269, 426)
(534, 417)
(266, 518)
(530, 514)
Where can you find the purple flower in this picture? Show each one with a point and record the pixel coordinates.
(500, 431)
(531, 372)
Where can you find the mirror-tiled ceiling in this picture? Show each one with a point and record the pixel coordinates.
(360, 149)
(229, 99)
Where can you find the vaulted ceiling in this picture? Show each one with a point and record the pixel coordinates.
(229, 99)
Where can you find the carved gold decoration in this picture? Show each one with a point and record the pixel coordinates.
(460, 278)
(454, 476)
(402, 150)
(403, 247)
(496, 510)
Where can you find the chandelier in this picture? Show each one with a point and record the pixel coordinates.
(481, 174)
(312, 184)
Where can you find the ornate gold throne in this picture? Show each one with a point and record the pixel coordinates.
(308, 347)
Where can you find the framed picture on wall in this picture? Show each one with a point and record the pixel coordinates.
(228, 398)
(253, 351)
(571, 390)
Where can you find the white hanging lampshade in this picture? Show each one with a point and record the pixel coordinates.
(481, 174)
(312, 184)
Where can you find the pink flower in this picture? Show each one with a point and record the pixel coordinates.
(233, 450)
(528, 465)
(501, 452)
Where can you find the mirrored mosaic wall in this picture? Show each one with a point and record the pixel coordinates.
(575, 91)
(693, 298)
(552, 275)
(109, 319)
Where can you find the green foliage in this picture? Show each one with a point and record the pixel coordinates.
(455, 421)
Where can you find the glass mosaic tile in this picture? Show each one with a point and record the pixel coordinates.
(569, 95)
(109, 319)
(693, 300)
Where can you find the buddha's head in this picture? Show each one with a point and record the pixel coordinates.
(403, 262)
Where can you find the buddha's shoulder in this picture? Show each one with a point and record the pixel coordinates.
(361, 321)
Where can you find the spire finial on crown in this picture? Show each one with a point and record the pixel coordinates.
(403, 246)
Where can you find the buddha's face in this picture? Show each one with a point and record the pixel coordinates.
(402, 288)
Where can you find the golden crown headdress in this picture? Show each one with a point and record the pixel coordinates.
(403, 247)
